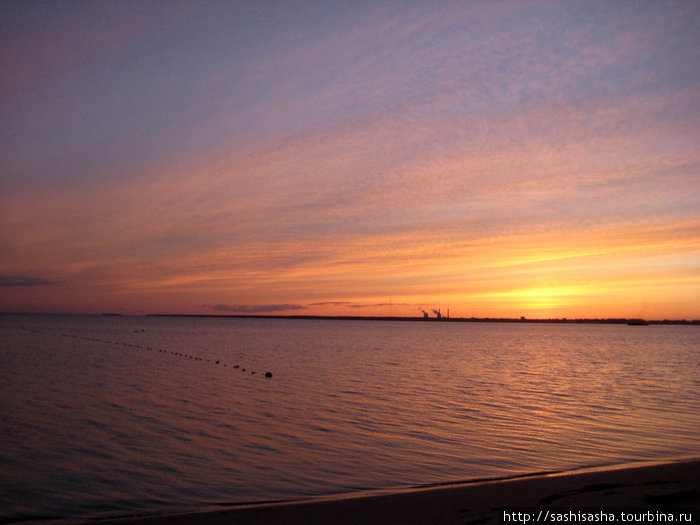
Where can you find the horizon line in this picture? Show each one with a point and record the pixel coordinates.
(522, 319)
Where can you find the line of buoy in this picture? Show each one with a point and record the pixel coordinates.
(160, 350)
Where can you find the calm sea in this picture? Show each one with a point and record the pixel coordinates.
(103, 416)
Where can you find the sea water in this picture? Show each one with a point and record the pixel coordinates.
(112, 416)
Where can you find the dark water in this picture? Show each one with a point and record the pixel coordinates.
(127, 415)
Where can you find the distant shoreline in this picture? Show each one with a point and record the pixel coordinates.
(617, 321)
(625, 321)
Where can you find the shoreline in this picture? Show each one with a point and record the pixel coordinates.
(653, 486)
(630, 321)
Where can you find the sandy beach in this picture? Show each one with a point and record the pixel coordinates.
(647, 493)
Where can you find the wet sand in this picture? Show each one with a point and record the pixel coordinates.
(562, 497)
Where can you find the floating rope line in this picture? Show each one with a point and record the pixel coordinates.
(217, 362)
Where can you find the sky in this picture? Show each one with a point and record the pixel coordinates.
(497, 159)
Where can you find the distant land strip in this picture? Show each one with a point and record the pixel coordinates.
(628, 321)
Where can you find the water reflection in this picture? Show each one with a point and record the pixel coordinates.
(91, 402)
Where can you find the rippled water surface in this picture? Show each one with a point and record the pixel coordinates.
(130, 415)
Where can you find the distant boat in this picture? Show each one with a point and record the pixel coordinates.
(637, 322)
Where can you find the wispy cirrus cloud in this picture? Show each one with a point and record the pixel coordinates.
(378, 304)
(256, 308)
(413, 149)
(21, 280)
(350, 304)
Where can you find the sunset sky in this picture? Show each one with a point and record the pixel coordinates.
(351, 158)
